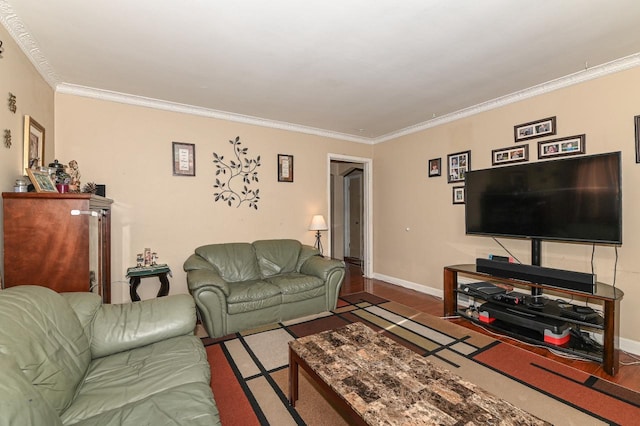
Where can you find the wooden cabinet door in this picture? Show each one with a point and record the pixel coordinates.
(46, 245)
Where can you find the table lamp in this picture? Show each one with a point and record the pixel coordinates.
(318, 224)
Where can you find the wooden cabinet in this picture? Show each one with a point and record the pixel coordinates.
(60, 241)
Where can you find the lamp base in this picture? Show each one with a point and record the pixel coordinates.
(318, 244)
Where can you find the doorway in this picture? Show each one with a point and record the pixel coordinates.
(350, 210)
(354, 235)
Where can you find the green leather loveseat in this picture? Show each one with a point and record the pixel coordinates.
(67, 359)
(238, 286)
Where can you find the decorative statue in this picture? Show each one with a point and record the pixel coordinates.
(74, 173)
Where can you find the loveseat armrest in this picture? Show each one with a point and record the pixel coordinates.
(331, 271)
(201, 278)
(118, 328)
(321, 267)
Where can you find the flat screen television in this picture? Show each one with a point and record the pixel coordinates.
(576, 199)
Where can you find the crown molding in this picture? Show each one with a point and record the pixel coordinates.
(142, 101)
(19, 32)
(612, 67)
(547, 87)
(29, 46)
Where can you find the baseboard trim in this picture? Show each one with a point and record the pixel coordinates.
(410, 285)
(626, 345)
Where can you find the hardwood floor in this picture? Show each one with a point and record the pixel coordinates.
(628, 375)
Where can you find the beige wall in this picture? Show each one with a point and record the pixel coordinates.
(406, 198)
(128, 148)
(417, 230)
(33, 97)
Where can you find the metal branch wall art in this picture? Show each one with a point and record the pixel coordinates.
(238, 176)
(12, 102)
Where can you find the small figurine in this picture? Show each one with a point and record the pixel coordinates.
(74, 173)
(147, 257)
(139, 259)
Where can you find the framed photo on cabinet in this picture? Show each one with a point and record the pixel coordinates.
(41, 181)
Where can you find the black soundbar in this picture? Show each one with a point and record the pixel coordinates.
(577, 281)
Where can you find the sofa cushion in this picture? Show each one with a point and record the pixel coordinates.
(277, 257)
(234, 261)
(182, 405)
(252, 295)
(44, 336)
(292, 298)
(120, 381)
(295, 283)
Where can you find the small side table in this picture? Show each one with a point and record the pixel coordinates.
(136, 273)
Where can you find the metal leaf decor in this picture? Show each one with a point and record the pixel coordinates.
(241, 171)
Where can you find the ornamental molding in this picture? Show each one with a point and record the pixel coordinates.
(29, 46)
(19, 32)
(106, 95)
(541, 89)
(612, 67)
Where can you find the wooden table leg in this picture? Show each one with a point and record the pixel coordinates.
(293, 377)
(134, 282)
(164, 285)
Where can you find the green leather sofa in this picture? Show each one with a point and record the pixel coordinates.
(238, 286)
(67, 359)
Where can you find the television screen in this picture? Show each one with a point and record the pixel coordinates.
(573, 199)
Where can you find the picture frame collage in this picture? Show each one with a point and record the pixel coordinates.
(570, 145)
(459, 163)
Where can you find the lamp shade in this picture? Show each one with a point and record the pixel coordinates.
(318, 223)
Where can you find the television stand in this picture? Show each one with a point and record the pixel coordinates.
(608, 325)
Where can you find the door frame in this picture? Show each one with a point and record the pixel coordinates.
(367, 205)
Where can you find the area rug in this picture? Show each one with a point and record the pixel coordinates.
(250, 370)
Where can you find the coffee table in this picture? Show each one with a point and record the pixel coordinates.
(373, 380)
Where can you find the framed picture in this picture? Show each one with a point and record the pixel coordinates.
(509, 155)
(535, 129)
(637, 123)
(458, 165)
(435, 167)
(33, 144)
(571, 145)
(184, 159)
(458, 195)
(285, 168)
(41, 180)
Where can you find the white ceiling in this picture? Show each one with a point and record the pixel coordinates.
(364, 70)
